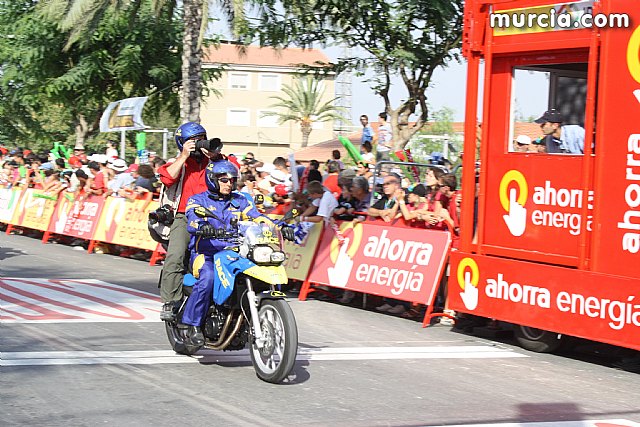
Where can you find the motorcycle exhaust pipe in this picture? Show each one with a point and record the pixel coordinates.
(223, 343)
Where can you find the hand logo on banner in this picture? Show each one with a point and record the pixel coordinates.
(468, 277)
(516, 217)
(339, 274)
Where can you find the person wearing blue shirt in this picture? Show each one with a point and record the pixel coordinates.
(226, 204)
(367, 130)
(559, 138)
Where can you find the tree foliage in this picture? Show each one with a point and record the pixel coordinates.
(44, 77)
(82, 17)
(405, 38)
(303, 105)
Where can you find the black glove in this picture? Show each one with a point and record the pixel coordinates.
(287, 233)
(208, 231)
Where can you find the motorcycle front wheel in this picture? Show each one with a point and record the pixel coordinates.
(275, 360)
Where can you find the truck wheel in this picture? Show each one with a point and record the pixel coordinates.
(538, 340)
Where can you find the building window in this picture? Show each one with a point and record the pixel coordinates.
(269, 82)
(239, 81)
(266, 121)
(238, 117)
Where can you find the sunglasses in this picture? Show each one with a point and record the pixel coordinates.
(226, 180)
(389, 182)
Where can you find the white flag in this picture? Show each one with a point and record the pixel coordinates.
(125, 114)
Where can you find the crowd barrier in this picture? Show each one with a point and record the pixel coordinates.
(373, 257)
(402, 263)
(114, 220)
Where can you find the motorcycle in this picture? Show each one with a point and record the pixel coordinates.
(247, 305)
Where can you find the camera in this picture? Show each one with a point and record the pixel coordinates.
(163, 215)
(213, 145)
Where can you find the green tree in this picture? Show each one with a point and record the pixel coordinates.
(303, 105)
(441, 122)
(406, 38)
(64, 91)
(80, 17)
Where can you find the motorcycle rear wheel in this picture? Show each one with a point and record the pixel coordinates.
(178, 339)
(275, 360)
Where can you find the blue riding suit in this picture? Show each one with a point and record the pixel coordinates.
(203, 249)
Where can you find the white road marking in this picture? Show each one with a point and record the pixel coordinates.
(152, 357)
(582, 423)
(67, 301)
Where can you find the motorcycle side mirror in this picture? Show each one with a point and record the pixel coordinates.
(201, 212)
(293, 213)
(259, 199)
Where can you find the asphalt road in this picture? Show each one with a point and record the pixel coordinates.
(355, 367)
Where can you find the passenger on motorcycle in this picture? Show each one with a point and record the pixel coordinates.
(226, 204)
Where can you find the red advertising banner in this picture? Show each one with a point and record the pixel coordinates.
(399, 263)
(77, 218)
(616, 239)
(580, 303)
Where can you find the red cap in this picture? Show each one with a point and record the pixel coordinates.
(132, 168)
(233, 160)
(281, 190)
(75, 162)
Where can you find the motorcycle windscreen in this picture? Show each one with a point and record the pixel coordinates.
(227, 264)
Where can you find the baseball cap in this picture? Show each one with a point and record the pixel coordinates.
(267, 167)
(523, 140)
(419, 190)
(281, 190)
(551, 116)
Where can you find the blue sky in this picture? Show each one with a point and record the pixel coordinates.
(447, 90)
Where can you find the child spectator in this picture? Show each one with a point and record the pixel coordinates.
(322, 205)
(97, 185)
(331, 181)
(335, 156)
(367, 153)
(415, 203)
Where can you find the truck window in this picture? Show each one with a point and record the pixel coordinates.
(558, 88)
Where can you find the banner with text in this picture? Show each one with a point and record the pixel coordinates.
(124, 222)
(300, 255)
(34, 210)
(125, 114)
(398, 263)
(77, 218)
(585, 304)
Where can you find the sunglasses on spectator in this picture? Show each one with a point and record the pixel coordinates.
(389, 182)
(226, 180)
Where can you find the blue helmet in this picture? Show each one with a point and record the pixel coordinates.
(218, 169)
(188, 130)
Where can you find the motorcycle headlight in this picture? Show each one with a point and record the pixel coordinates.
(277, 257)
(262, 254)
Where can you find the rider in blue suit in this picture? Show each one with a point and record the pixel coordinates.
(226, 204)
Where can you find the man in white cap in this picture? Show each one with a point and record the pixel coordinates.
(265, 186)
(521, 144)
(122, 178)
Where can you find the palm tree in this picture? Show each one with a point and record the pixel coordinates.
(80, 18)
(303, 104)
